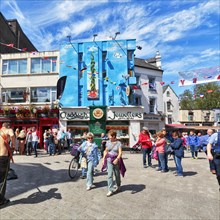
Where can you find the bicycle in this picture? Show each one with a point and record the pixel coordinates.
(74, 163)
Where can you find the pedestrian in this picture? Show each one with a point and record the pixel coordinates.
(5, 154)
(146, 145)
(178, 150)
(113, 161)
(21, 138)
(46, 141)
(17, 140)
(162, 156)
(89, 151)
(192, 141)
(214, 142)
(35, 140)
(104, 138)
(51, 143)
(69, 138)
(28, 142)
(204, 142)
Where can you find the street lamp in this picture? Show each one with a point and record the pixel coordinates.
(117, 33)
(94, 36)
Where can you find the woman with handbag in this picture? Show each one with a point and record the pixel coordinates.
(178, 150)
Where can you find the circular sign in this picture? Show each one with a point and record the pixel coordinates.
(128, 90)
(98, 113)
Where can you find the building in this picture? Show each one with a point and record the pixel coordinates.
(28, 90)
(11, 35)
(171, 105)
(102, 86)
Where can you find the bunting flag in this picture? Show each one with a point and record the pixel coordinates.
(172, 82)
(201, 95)
(9, 45)
(162, 83)
(144, 84)
(209, 91)
(135, 87)
(199, 76)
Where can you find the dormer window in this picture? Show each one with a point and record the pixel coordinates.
(152, 84)
(168, 93)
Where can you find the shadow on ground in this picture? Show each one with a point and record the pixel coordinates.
(38, 197)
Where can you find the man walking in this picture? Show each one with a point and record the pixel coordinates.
(6, 134)
(214, 142)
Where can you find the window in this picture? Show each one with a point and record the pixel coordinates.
(43, 94)
(130, 54)
(152, 84)
(152, 105)
(14, 66)
(80, 57)
(169, 119)
(14, 95)
(168, 93)
(169, 108)
(190, 116)
(46, 65)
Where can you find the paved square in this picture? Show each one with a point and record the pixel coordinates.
(45, 191)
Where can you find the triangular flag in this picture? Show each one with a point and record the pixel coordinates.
(10, 45)
(172, 82)
(182, 81)
(201, 95)
(162, 83)
(209, 91)
(143, 84)
(194, 80)
(218, 77)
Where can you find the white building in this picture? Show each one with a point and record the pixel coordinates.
(171, 105)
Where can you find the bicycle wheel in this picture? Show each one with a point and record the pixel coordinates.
(73, 168)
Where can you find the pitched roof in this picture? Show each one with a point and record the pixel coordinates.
(165, 88)
(142, 63)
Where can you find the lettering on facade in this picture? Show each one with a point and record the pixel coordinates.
(152, 118)
(127, 115)
(73, 115)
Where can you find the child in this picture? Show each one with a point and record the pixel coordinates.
(89, 158)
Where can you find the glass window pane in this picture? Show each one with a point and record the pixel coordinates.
(46, 66)
(54, 64)
(36, 65)
(22, 66)
(5, 67)
(12, 67)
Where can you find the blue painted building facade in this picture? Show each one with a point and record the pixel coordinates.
(97, 73)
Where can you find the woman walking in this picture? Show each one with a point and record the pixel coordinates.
(112, 157)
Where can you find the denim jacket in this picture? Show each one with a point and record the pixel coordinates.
(91, 154)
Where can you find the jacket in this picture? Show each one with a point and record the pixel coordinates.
(144, 140)
(160, 144)
(177, 147)
(192, 140)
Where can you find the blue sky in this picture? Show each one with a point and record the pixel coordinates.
(186, 32)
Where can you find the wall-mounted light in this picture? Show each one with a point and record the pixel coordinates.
(94, 36)
(117, 33)
(139, 47)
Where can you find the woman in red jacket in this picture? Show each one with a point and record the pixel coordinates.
(146, 144)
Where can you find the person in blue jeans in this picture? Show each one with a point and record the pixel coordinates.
(193, 142)
(178, 148)
(89, 151)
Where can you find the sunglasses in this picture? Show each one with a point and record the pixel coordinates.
(90, 138)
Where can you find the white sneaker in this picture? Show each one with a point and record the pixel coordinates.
(110, 193)
(88, 188)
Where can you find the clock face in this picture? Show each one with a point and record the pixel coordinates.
(98, 113)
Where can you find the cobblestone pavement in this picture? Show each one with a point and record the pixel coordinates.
(45, 191)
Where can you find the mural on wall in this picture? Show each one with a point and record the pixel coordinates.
(92, 76)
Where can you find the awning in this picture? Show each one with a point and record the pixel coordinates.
(175, 126)
(183, 127)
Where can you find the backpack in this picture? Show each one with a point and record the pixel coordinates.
(217, 146)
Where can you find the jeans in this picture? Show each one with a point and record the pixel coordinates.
(179, 168)
(211, 163)
(217, 165)
(35, 143)
(89, 178)
(29, 148)
(47, 145)
(162, 161)
(113, 168)
(194, 150)
(146, 151)
(52, 148)
(4, 168)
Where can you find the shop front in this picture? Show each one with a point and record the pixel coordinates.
(100, 119)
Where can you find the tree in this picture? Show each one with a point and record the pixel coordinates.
(186, 102)
(205, 97)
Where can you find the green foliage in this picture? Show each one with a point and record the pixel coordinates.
(211, 99)
(93, 71)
